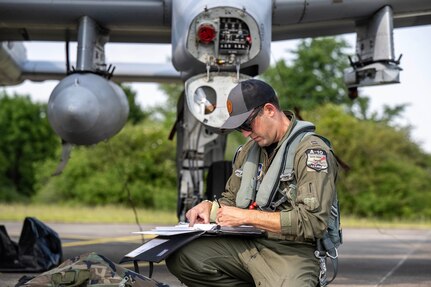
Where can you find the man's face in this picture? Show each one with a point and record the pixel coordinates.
(262, 128)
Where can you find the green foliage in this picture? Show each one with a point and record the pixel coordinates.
(314, 77)
(26, 138)
(173, 92)
(234, 140)
(388, 115)
(138, 161)
(174, 101)
(389, 175)
(136, 114)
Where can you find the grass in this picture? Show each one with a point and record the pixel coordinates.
(119, 214)
(83, 214)
(353, 222)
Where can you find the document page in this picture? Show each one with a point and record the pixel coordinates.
(180, 228)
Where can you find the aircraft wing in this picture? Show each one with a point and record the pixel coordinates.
(124, 72)
(150, 21)
(15, 67)
(313, 18)
(139, 21)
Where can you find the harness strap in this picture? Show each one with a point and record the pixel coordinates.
(326, 248)
(248, 180)
(265, 200)
(288, 173)
(263, 192)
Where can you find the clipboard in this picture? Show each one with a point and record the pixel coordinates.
(166, 242)
(242, 230)
(160, 247)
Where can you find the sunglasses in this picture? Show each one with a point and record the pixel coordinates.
(246, 126)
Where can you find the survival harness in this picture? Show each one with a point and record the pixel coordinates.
(262, 192)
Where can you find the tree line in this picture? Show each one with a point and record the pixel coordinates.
(386, 174)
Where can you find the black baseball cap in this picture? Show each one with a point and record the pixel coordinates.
(244, 98)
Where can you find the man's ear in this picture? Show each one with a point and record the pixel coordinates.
(270, 109)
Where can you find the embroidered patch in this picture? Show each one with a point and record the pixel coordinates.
(259, 171)
(316, 159)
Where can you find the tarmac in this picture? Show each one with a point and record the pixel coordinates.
(368, 256)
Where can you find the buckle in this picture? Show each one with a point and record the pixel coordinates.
(287, 176)
(332, 256)
(239, 172)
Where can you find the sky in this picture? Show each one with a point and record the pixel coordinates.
(414, 90)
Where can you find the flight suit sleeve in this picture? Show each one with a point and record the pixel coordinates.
(316, 171)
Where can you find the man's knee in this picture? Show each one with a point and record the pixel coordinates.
(173, 263)
(184, 268)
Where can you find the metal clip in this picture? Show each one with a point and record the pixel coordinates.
(287, 176)
(333, 256)
(276, 204)
(334, 211)
(323, 279)
(208, 67)
(237, 71)
(239, 172)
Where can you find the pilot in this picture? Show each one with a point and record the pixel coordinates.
(291, 205)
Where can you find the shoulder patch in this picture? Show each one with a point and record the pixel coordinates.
(317, 159)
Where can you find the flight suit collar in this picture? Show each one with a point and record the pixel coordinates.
(293, 122)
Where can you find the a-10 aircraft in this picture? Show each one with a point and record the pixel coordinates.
(215, 44)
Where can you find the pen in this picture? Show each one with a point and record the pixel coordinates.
(218, 202)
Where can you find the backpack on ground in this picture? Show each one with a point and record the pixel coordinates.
(89, 269)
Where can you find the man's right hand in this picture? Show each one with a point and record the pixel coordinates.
(200, 213)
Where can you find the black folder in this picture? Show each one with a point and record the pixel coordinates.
(236, 231)
(160, 247)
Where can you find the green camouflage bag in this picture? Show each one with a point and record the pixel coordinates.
(92, 270)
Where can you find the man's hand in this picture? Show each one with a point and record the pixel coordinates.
(234, 216)
(199, 213)
(231, 216)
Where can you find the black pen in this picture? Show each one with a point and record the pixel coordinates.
(218, 202)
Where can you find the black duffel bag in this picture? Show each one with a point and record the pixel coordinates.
(38, 249)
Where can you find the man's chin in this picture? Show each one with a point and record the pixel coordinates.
(261, 143)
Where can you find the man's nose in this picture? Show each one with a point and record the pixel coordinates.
(246, 134)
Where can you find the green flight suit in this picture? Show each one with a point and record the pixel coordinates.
(285, 259)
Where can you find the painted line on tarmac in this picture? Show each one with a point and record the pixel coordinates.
(134, 238)
(406, 256)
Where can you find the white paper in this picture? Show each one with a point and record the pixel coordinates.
(165, 232)
(177, 229)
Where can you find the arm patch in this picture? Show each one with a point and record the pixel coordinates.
(317, 159)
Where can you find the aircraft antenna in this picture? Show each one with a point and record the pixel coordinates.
(67, 46)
